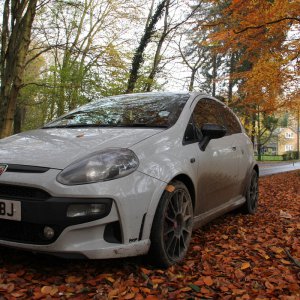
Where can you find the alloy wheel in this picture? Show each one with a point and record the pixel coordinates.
(253, 192)
(178, 223)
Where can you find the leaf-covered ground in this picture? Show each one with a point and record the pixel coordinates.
(234, 257)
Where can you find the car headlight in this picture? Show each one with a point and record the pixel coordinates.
(104, 165)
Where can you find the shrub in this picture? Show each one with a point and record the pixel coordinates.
(289, 155)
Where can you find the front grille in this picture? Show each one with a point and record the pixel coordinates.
(47, 211)
(31, 233)
(21, 192)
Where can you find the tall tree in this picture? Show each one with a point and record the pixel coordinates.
(17, 22)
(194, 55)
(266, 125)
(256, 37)
(86, 51)
(139, 52)
(208, 63)
(260, 32)
(172, 21)
(157, 56)
(28, 96)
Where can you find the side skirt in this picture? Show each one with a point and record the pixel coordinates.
(216, 212)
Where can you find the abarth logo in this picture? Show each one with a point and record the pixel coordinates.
(3, 169)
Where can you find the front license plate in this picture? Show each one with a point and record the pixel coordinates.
(10, 210)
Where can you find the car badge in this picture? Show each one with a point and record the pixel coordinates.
(3, 168)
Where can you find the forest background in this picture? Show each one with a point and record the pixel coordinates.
(57, 55)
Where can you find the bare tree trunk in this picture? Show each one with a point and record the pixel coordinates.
(192, 80)
(139, 52)
(150, 14)
(214, 74)
(167, 29)
(252, 133)
(258, 137)
(15, 42)
(194, 67)
(231, 81)
(19, 119)
(155, 63)
(157, 57)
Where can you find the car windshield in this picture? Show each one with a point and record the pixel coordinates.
(136, 110)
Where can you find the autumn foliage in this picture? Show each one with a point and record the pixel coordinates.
(235, 257)
(262, 35)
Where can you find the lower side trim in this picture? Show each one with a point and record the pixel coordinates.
(214, 213)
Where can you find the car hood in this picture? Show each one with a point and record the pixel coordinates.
(57, 148)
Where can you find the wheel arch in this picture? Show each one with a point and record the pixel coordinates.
(247, 180)
(250, 207)
(187, 181)
(172, 225)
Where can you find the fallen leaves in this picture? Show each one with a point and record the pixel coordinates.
(276, 250)
(49, 290)
(17, 294)
(284, 214)
(245, 265)
(7, 287)
(46, 290)
(208, 281)
(73, 279)
(234, 257)
(129, 296)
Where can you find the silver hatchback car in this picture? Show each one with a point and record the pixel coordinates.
(125, 176)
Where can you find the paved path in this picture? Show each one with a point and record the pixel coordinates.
(274, 168)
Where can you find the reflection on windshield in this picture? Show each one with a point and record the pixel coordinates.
(136, 110)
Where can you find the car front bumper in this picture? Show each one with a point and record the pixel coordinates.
(122, 230)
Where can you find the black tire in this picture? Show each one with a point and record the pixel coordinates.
(251, 195)
(172, 226)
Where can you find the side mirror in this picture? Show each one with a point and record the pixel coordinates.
(211, 131)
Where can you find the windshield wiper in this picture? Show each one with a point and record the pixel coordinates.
(144, 125)
(77, 126)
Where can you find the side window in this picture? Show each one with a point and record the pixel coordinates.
(230, 122)
(213, 112)
(207, 111)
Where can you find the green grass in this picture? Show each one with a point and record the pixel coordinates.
(271, 157)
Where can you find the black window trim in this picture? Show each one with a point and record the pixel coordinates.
(192, 141)
(199, 98)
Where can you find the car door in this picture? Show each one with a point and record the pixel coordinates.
(241, 143)
(218, 164)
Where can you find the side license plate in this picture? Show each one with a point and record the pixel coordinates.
(10, 210)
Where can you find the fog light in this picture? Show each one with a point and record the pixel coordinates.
(85, 210)
(48, 232)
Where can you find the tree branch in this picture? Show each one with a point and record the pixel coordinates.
(267, 23)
